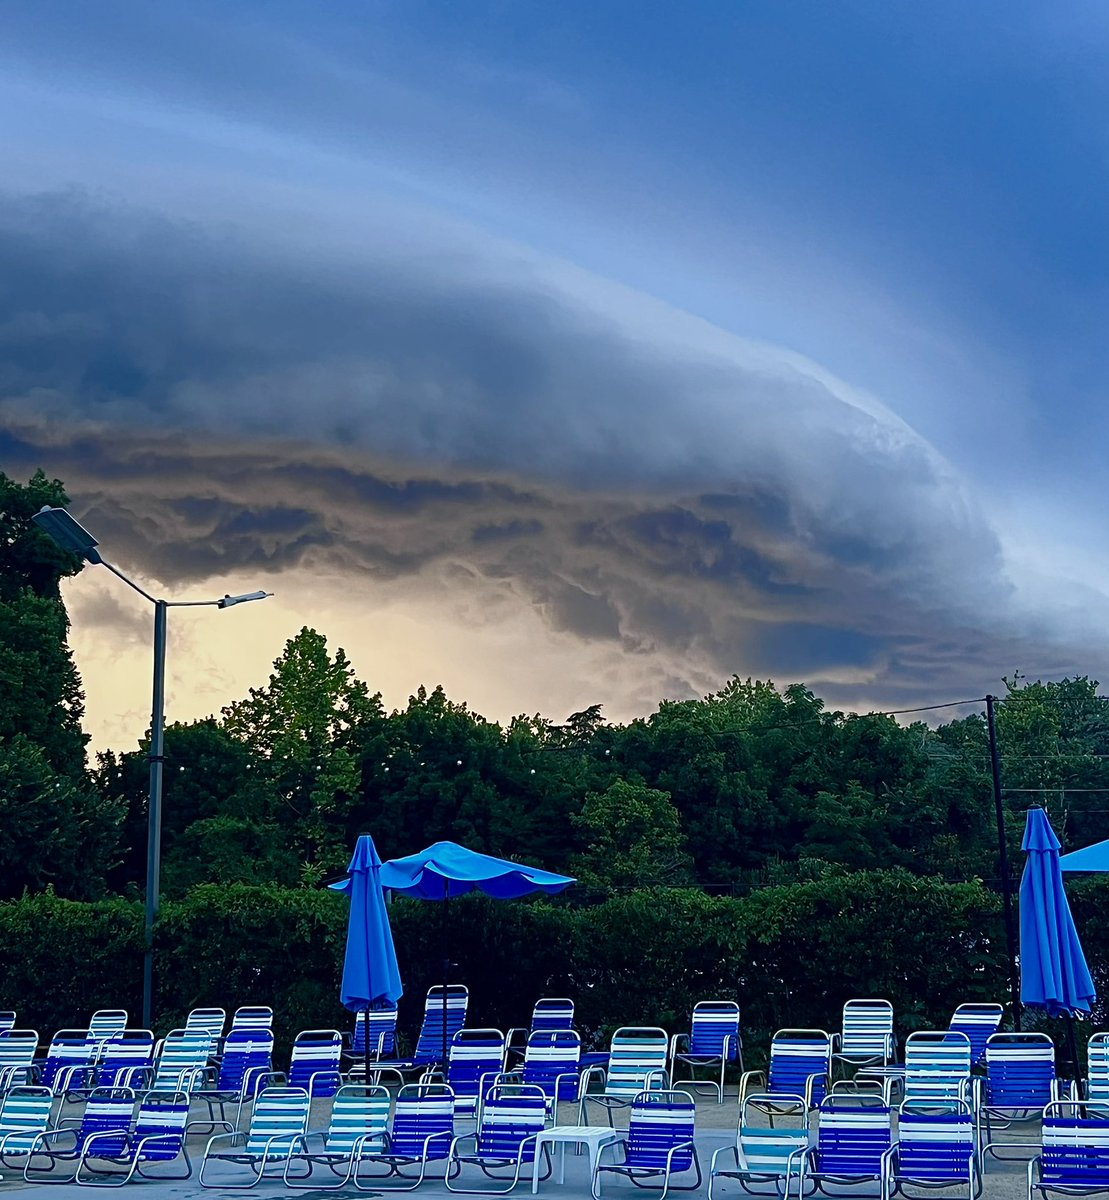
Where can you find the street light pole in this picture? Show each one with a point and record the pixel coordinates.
(72, 536)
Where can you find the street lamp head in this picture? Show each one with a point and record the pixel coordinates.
(69, 533)
(229, 601)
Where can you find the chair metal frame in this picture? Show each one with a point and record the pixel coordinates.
(354, 1125)
(648, 1137)
(278, 1120)
(721, 1042)
(512, 1117)
(762, 1153)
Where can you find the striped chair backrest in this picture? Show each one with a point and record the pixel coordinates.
(763, 1150)
(853, 1134)
(253, 1017)
(473, 1055)
(208, 1021)
(429, 1048)
(978, 1022)
(107, 1022)
(423, 1110)
(315, 1062)
(18, 1047)
(181, 1061)
(1020, 1070)
(512, 1112)
(1075, 1150)
(549, 1054)
(382, 1032)
(160, 1125)
(552, 1013)
(797, 1054)
(933, 1146)
(7, 1020)
(714, 1023)
(25, 1113)
(867, 1029)
(279, 1112)
(108, 1109)
(937, 1065)
(358, 1112)
(130, 1050)
(1097, 1068)
(244, 1050)
(637, 1061)
(68, 1048)
(659, 1122)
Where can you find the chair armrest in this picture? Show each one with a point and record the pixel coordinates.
(239, 1136)
(433, 1137)
(675, 1043)
(747, 1080)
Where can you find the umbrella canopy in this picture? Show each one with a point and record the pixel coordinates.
(1053, 971)
(371, 977)
(1089, 858)
(446, 869)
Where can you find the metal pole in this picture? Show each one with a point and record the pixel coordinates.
(154, 810)
(1003, 862)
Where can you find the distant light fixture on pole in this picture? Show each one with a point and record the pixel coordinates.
(71, 535)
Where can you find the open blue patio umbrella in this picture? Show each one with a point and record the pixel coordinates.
(371, 977)
(1053, 971)
(446, 869)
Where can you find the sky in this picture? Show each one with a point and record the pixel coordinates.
(566, 354)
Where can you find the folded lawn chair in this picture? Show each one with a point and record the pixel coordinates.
(511, 1118)
(800, 1065)
(108, 1111)
(1074, 1157)
(253, 1017)
(659, 1143)
(935, 1148)
(24, 1115)
(474, 1061)
(278, 1121)
(245, 1068)
(979, 1022)
(126, 1060)
(158, 1136)
(429, 1047)
(637, 1063)
(421, 1133)
(938, 1067)
(551, 1064)
(17, 1057)
(359, 1123)
(181, 1063)
(315, 1062)
(209, 1021)
(548, 1015)
(867, 1036)
(767, 1160)
(68, 1065)
(1020, 1081)
(712, 1042)
(854, 1133)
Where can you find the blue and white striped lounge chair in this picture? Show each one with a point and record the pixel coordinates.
(7, 1020)
(158, 1136)
(938, 1067)
(1097, 1074)
(766, 1159)
(245, 1068)
(979, 1022)
(421, 1133)
(935, 1148)
(660, 1143)
(1074, 1156)
(17, 1057)
(867, 1036)
(548, 1015)
(714, 1040)
(181, 1063)
(511, 1119)
(68, 1066)
(359, 1124)
(429, 1046)
(278, 1121)
(854, 1133)
(380, 1032)
(638, 1061)
(1020, 1081)
(474, 1062)
(209, 1021)
(108, 1111)
(258, 1016)
(24, 1114)
(800, 1065)
(551, 1063)
(126, 1060)
(106, 1023)
(315, 1064)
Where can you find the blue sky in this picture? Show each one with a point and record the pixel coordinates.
(586, 267)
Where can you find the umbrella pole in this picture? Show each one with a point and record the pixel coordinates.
(446, 970)
(366, 1044)
(1072, 1049)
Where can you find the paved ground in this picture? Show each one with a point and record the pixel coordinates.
(715, 1125)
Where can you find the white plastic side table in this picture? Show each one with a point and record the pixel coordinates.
(593, 1137)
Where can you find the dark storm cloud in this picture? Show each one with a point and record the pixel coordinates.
(216, 402)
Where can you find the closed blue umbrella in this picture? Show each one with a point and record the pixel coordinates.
(371, 978)
(1053, 971)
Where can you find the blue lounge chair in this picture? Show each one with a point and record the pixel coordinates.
(24, 1114)
(278, 1121)
(1097, 1074)
(766, 1159)
(207, 1021)
(935, 1148)
(938, 1067)
(316, 1061)
(638, 1061)
(17, 1057)
(1020, 1081)
(660, 1143)
(714, 1041)
(1074, 1156)
(551, 1063)
(512, 1117)
(854, 1133)
(979, 1022)
(245, 1069)
(7, 1020)
(550, 1014)
(126, 1060)
(867, 1036)
(800, 1065)
(421, 1134)
(429, 1046)
(181, 1062)
(381, 1034)
(158, 1136)
(69, 1063)
(256, 1017)
(108, 1111)
(474, 1062)
(359, 1125)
